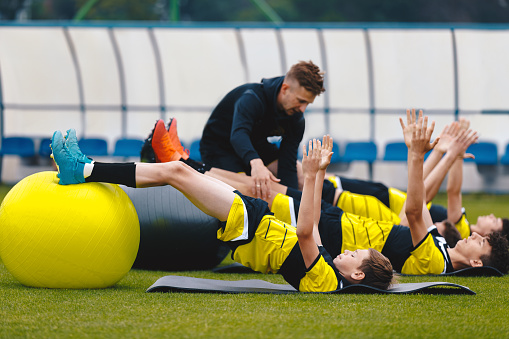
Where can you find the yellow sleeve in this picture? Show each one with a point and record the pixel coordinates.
(463, 227)
(320, 278)
(425, 259)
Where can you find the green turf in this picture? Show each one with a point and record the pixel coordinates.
(126, 311)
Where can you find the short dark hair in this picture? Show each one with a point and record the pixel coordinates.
(505, 228)
(308, 75)
(499, 257)
(377, 270)
(450, 234)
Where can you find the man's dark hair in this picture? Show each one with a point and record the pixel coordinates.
(308, 75)
(499, 257)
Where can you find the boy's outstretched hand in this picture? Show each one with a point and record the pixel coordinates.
(421, 135)
(326, 152)
(408, 128)
(312, 158)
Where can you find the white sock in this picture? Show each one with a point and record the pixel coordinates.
(338, 180)
(87, 170)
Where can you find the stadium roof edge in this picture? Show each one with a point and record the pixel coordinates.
(261, 25)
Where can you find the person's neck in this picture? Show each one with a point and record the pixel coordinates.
(458, 261)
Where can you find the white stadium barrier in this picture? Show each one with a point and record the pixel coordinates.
(113, 81)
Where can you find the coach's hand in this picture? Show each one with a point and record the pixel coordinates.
(262, 178)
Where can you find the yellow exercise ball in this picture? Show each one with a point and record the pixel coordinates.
(74, 236)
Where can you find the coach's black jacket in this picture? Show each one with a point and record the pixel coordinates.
(242, 121)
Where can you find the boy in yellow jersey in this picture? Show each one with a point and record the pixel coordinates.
(419, 248)
(257, 238)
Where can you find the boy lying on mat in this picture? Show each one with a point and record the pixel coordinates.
(417, 249)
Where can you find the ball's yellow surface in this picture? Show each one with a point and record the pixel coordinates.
(74, 236)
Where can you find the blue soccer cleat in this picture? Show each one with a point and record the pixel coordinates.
(72, 144)
(69, 167)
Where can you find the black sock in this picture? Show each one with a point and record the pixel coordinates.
(114, 173)
(196, 165)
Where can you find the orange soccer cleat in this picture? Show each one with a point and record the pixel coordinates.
(172, 132)
(162, 145)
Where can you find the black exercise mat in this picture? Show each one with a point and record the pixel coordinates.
(172, 283)
(483, 271)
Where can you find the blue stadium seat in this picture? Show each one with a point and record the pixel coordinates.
(128, 147)
(486, 153)
(360, 151)
(194, 150)
(93, 146)
(396, 151)
(504, 160)
(336, 155)
(22, 146)
(44, 147)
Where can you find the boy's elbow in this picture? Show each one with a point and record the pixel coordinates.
(413, 213)
(413, 217)
(303, 235)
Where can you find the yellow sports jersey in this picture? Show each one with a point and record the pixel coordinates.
(362, 233)
(320, 278)
(358, 232)
(367, 206)
(348, 231)
(429, 257)
(371, 206)
(463, 226)
(270, 247)
(267, 251)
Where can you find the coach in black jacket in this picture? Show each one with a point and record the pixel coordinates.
(235, 136)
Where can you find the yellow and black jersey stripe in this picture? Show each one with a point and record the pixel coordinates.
(430, 256)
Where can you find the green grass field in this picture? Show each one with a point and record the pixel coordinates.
(126, 311)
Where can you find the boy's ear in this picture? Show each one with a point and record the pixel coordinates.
(476, 263)
(357, 275)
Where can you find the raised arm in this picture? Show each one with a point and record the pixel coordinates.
(310, 166)
(433, 179)
(455, 178)
(419, 144)
(326, 154)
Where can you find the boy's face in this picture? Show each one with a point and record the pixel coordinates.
(487, 224)
(474, 247)
(349, 262)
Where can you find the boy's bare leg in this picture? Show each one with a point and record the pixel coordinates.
(244, 183)
(211, 196)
